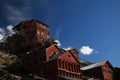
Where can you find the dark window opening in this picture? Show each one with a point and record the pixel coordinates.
(69, 56)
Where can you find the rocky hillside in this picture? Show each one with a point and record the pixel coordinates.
(11, 68)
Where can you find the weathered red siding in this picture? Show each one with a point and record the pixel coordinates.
(50, 51)
(107, 71)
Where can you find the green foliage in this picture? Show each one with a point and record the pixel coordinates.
(9, 61)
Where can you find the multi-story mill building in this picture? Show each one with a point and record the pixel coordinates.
(42, 57)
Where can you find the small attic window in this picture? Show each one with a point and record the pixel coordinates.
(106, 66)
(69, 55)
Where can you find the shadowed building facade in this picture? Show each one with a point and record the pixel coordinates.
(116, 73)
(98, 71)
(42, 56)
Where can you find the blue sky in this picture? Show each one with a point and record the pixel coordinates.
(88, 25)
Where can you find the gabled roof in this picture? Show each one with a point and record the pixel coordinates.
(77, 59)
(82, 61)
(27, 22)
(56, 56)
(53, 45)
(94, 65)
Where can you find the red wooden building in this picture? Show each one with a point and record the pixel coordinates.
(98, 71)
(42, 56)
(28, 36)
(54, 63)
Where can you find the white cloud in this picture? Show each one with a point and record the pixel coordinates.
(68, 48)
(58, 42)
(1, 36)
(2, 33)
(86, 50)
(7, 31)
(9, 28)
